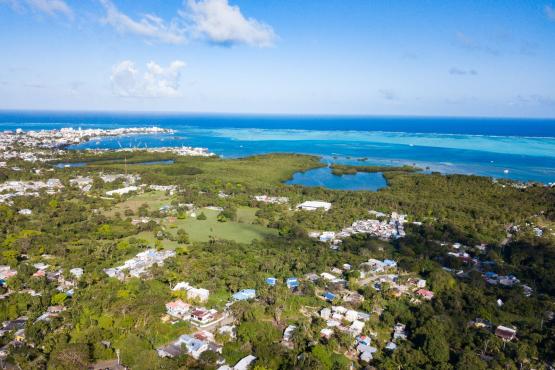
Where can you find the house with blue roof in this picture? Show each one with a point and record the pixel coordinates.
(292, 283)
(390, 263)
(244, 295)
(329, 296)
(271, 281)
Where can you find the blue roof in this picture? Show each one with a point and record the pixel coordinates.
(271, 281)
(329, 296)
(192, 344)
(244, 295)
(292, 282)
(389, 263)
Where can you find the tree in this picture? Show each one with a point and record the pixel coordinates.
(201, 217)
(182, 236)
(70, 356)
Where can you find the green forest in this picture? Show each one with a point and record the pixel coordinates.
(463, 233)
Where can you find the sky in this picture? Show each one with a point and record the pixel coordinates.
(355, 57)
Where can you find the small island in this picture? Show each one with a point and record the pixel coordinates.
(341, 169)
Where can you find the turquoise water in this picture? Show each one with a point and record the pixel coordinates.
(324, 178)
(520, 149)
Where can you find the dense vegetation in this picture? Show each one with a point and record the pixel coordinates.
(340, 169)
(104, 314)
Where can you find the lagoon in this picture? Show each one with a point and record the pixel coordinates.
(323, 177)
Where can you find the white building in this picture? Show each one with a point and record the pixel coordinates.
(122, 191)
(313, 205)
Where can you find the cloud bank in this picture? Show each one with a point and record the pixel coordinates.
(155, 82)
(222, 23)
(49, 7)
(215, 21)
(149, 26)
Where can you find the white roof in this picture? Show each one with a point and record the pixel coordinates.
(244, 363)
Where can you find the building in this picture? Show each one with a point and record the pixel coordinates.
(198, 294)
(271, 281)
(194, 346)
(425, 293)
(313, 205)
(177, 308)
(122, 191)
(505, 333)
(202, 315)
(292, 283)
(288, 333)
(244, 363)
(244, 295)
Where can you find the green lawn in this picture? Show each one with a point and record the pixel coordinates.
(241, 232)
(154, 200)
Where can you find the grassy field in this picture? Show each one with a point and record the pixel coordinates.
(241, 232)
(154, 200)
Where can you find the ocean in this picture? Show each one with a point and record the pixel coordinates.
(520, 149)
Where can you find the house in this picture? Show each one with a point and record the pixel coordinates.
(171, 350)
(327, 276)
(426, 294)
(327, 236)
(177, 308)
(313, 205)
(25, 212)
(390, 346)
(77, 272)
(365, 352)
(329, 296)
(288, 333)
(227, 330)
(292, 283)
(363, 339)
(198, 293)
(356, 327)
(194, 346)
(389, 263)
(353, 297)
(244, 295)
(505, 333)
(399, 332)
(325, 313)
(326, 333)
(55, 309)
(202, 315)
(244, 363)
(271, 281)
(122, 191)
(373, 265)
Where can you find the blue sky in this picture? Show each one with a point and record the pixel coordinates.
(459, 58)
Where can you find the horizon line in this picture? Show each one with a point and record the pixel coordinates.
(270, 114)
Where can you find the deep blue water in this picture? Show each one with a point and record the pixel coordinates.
(489, 147)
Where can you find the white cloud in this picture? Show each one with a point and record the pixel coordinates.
(149, 25)
(156, 82)
(222, 23)
(550, 12)
(50, 7)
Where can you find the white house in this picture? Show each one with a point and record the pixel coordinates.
(127, 189)
(313, 205)
(198, 293)
(244, 363)
(177, 308)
